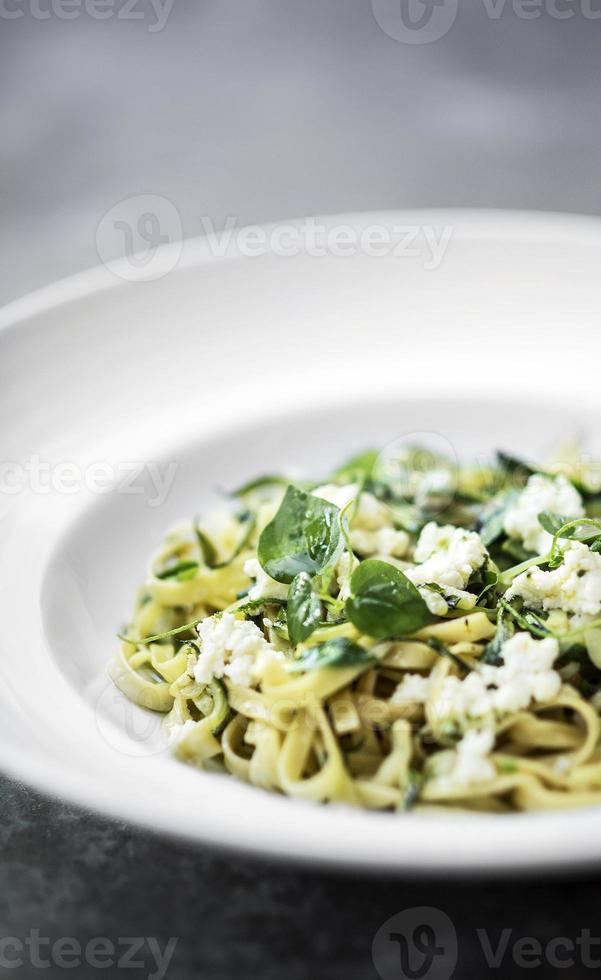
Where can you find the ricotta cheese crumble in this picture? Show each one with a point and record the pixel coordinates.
(541, 493)
(573, 587)
(230, 647)
(264, 587)
(525, 675)
(472, 762)
(447, 557)
(372, 531)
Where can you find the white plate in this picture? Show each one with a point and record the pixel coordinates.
(226, 368)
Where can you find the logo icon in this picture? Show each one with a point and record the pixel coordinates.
(416, 944)
(420, 466)
(139, 239)
(415, 21)
(130, 729)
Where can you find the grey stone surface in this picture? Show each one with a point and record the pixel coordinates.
(68, 873)
(264, 109)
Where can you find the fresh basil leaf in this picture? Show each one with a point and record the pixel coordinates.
(339, 652)
(492, 516)
(384, 602)
(304, 536)
(304, 609)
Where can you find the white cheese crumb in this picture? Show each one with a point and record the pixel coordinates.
(447, 556)
(437, 482)
(413, 689)
(452, 552)
(178, 732)
(525, 675)
(371, 513)
(472, 764)
(541, 493)
(573, 587)
(233, 648)
(386, 541)
(344, 570)
(264, 587)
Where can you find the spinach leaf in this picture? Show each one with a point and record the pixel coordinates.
(384, 602)
(304, 536)
(359, 468)
(516, 468)
(304, 609)
(333, 653)
(271, 480)
(492, 516)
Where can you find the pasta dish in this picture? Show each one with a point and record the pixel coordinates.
(394, 636)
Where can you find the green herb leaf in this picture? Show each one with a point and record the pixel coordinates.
(271, 480)
(359, 468)
(504, 632)
(304, 609)
(183, 571)
(207, 548)
(384, 602)
(443, 651)
(492, 516)
(514, 467)
(160, 636)
(339, 652)
(527, 620)
(252, 607)
(574, 528)
(304, 536)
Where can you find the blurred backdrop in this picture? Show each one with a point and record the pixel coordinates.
(267, 109)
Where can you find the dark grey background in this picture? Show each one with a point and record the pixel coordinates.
(261, 110)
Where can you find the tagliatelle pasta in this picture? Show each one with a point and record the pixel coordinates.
(387, 638)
